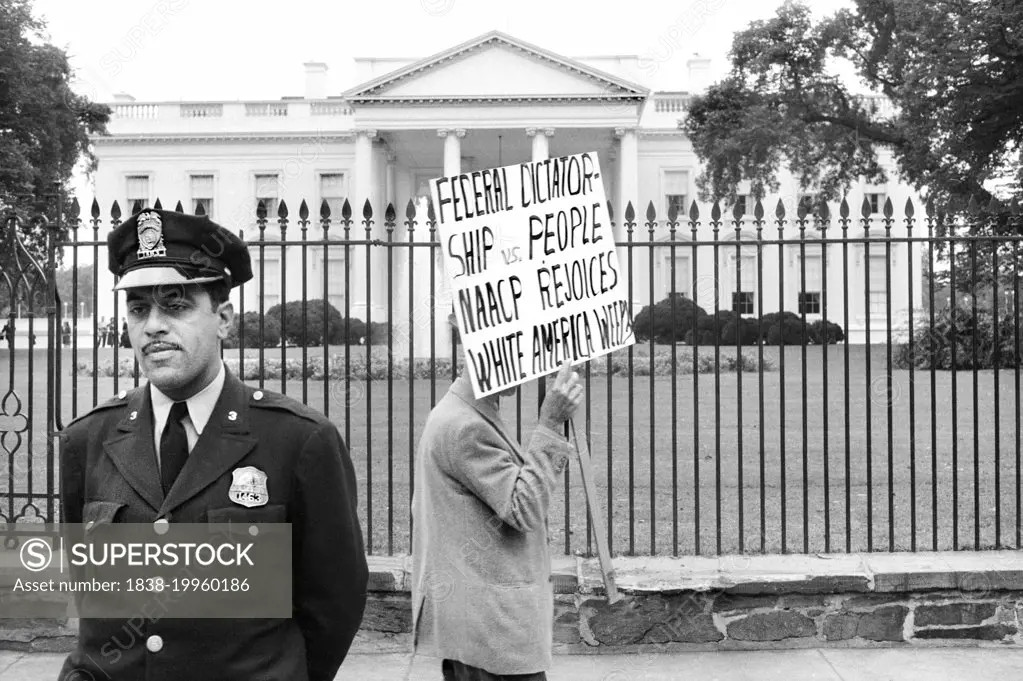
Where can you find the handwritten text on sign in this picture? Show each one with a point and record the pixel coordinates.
(533, 268)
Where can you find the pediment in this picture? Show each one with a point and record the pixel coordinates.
(494, 67)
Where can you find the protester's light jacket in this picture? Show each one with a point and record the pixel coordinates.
(481, 590)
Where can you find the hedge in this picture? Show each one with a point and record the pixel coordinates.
(377, 370)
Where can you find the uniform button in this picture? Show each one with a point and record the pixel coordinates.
(258, 395)
(121, 395)
(161, 525)
(154, 644)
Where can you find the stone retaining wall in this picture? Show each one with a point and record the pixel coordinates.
(759, 602)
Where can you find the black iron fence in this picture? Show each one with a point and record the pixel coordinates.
(816, 383)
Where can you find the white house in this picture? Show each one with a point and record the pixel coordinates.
(494, 100)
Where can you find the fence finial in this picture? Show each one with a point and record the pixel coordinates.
(630, 212)
(651, 213)
(610, 211)
(824, 212)
(715, 211)
(136, 207)
(843, 208)
(303, 211)
(865, 209)
(758, 210)
(779, 210)
(389, 213)
(178, 208)
(672, 212)
(973, 206)
(282, 210)
(367, 211)
(260, 210)
(75, 209)
(889, 209)
(994, 205)
(324, 210)
(346, 211)
(694, 211)
(115, 211)
(95, 209)
(199, 210)
(909, 210)
(156, 204)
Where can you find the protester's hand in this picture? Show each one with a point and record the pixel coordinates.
(563, 399)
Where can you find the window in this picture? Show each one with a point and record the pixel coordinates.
(683, 277)
(271, 282)
(202, 193)
(744, 205)
(336, 280)
(810, 297)
(676, 189)
(809, 302)
(267, 192)
(332, 190)
(742, 302)
(744, 298)
(876, 201)
(137, 189)
(877, 285)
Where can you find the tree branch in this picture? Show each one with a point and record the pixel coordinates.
(874, 132)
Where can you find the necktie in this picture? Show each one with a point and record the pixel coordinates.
(173, 446)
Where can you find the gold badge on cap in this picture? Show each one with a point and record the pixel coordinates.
(248, 487)
(150, 228)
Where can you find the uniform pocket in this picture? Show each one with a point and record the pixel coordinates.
(99, 513)
(271, 513)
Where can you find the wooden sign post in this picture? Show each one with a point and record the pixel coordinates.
(596, 519)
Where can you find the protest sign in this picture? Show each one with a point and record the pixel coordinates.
(530, 255)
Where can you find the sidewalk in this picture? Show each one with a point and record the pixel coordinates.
(903, 664)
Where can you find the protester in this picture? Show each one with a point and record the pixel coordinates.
(196, 445)
(66, 334)
(483, 602)
(125, 341)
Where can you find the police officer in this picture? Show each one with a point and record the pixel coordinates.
(196, 445)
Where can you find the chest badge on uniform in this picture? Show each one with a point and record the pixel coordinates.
(248, 487)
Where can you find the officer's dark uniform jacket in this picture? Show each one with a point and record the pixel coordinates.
(109, 474)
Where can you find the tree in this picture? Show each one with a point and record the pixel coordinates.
(951, 70)
(65, 287)
(44, 125)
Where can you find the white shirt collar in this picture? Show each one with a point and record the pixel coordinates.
(200, 405)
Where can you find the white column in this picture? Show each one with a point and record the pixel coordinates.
(628, 190)
(364, 190)
(390, 189)
(452, 166)
(541, 143)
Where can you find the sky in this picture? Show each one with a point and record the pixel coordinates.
(171, 50)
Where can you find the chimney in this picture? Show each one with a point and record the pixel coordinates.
(699, 73)
(315, 80)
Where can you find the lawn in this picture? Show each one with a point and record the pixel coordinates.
(647, 454)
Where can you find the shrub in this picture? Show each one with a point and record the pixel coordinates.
(956, 327)
(317, 329)
(824, 332)
(659, 323)
(271, 331)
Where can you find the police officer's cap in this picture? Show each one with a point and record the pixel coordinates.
(159, 247)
